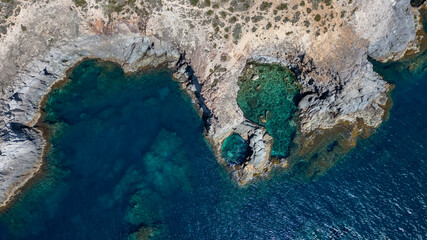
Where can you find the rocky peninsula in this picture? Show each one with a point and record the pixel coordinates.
(209, 44)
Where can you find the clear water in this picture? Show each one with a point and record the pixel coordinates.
(234, 149)
(128, 154)
(266, 97)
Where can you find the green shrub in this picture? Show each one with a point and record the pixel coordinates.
(237, 31)
(233, 19)
(327, 2)
(265, 6)
(256, 19)
(80, 3)
(282, 6)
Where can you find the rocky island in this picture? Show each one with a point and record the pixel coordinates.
(277, 83)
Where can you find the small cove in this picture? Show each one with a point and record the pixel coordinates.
(100, 167)
(128, 159)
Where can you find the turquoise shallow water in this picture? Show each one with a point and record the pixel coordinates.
(128, 154)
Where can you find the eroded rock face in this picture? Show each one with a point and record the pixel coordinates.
(389, 40)
(208, 50)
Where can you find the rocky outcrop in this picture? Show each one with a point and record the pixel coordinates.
(388, 40)
(258, 163)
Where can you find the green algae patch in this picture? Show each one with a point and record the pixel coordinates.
(234, 149)
(266, 97)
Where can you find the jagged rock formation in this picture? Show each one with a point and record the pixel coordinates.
(325, 43)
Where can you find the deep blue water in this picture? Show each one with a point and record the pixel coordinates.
(128, 153)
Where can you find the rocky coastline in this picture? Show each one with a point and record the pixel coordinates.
(340, 92)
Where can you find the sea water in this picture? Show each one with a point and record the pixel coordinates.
(128, 159)
(267, 95)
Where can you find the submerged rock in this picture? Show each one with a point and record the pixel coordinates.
(165, 163)
(143, 233)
